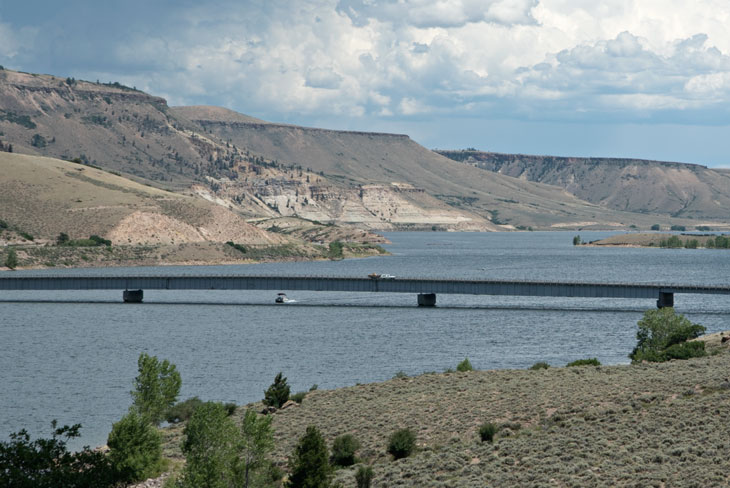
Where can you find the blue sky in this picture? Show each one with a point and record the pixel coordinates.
(622, 78)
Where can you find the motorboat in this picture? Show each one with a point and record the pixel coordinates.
(281, 298)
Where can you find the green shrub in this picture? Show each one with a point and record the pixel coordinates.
(343, 450)
(691, 244)
(298, 397)
(584, 362)
(685, 350)
(135, 449)
(278, 392)
(26, 236)
(401, 443)
(156, 387)
(487, 432)
(100, 241)
(679, 228)
(576, 241)
(539, 365)
(659, 330)
(309, 465)
(237, 247)
(364, 476)
(655, 227)
(3, 224)
(400, 375)
(62, 239)
(463, 366)
(11, 259)
(182, 411)
(38, 141)
(47, 463)
(335, 250)
(230, 408)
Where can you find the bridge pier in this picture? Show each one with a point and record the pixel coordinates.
(665, 300)
(133, 296)
(426, 299)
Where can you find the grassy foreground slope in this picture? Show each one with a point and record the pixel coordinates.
(656, 424)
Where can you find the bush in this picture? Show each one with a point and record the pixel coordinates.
(539, 365)
(679, 228)
(465, 365)
(46, 463)
(661, 329)
(584, 362)
(343, 450)
(335, 250)
(576, 241)
(364, 476)
(135, 449)
(182, 411)
(100, 241)
(278, 393)
(156, 387)
(655, 227)
(685, 350)
(401, 443)
(298, 397)
(62, 239)
(487, 432)
(309, 466)
(11, 259)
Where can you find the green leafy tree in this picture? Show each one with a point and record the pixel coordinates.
(659, 330)
(156, 387)
(309, 466)
(135, 448)
(210, 448)
(256, 441)
(62, 239)
(11, 260)
(278, 393)
(46, 463)
(576, 241)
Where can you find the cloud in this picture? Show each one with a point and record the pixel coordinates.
(408, 59)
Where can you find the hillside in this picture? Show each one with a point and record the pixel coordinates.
(359, 158)
(633, 185)
(124, 130)
(42, 198)
(267, 170)
(653, 424)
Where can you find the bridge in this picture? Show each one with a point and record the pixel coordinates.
(426, 289)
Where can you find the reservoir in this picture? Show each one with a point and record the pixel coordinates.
(72, 356)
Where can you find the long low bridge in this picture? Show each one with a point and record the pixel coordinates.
(426, 289)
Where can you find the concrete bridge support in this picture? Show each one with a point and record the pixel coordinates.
(426, 299)
(133, 296)
(665, 300)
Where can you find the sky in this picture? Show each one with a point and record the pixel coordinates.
(617, 78)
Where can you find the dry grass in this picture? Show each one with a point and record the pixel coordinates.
(641, 425)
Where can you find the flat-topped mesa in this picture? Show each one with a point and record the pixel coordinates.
(314, 130)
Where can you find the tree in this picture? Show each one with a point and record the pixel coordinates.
(62, 239)
(278, 393)
(11, 260)
(135, 448)
(401, 443)
(309, 465)
(655, 227)
(661, 329)
(255, 442)
(576, 240)
(46, 463)
(156, 387)
(343, 450)
(210, 448)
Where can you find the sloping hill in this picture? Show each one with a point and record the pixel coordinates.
(356, 158)
(633, 185)
(45, 197)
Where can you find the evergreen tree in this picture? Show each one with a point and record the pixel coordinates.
(278, 393)
(310, 467)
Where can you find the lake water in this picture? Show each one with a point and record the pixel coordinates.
(72, 356)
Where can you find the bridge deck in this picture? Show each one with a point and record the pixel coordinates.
(353, 284)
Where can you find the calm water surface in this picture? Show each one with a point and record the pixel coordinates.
(72, 356)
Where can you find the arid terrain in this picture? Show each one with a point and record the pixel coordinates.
(655, 424)
(261, 169)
